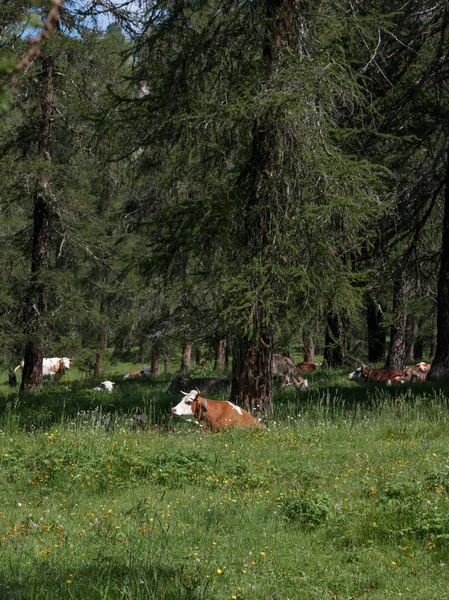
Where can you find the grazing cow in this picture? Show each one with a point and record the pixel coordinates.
(105, 386)
(53, 368)
(307, 366)
(366, 375)
(145, 372)
(284, 367)
(213, 414)
(206, 385)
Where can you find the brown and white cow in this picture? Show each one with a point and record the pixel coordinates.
(417, 373)
(366, 375)
(213, 414)
(284, 367)
(53, 368)
(145, 372)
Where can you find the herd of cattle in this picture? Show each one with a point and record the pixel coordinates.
(218, 415)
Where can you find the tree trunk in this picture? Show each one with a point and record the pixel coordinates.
(418, 345)
(440, 364)
(220, 355)
(185, 358)
(308, 349)
(252, 381)
(155, 355)
(37, 299)
(396, 354)
(409, 338)
(102, 345)
(376, 331)
(333, 351)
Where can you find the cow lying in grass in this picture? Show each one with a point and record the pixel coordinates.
(366, 375)
(213, 414)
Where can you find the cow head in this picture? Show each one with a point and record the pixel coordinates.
(360, 373)
(66, 362)
(192, 406)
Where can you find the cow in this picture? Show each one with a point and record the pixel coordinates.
(307, 366)
(215, 415)
(145, 372)
(205, 385)
(284, 367)
(53, 368)
(105, 386)
(413, 374)
(366, 375)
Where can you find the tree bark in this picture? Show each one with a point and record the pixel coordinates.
(396, 354)
(252, 381)
(102, 345)
(308, 349)
(220, 354)
(410, 328)
(333, 351)
(376, 331)
(155, 356)
(440, 364)
(37, 299)
(185, 358)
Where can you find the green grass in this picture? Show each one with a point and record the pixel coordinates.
(343, 495)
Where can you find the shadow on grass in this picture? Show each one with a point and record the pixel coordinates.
(106, 578)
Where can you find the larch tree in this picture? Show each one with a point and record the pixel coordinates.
(259, 196)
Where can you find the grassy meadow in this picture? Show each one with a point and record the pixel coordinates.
(343, 495)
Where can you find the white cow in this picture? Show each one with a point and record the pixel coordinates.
(53, 368)
(105, 386)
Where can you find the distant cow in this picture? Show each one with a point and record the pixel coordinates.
(413, 374)
(145, 372)
(205, 385)
(307, 366)
(213, 414)
(53, 368)
(366, 375)
(105, 386)
(285, 368)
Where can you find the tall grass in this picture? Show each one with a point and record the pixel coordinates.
(344, 494)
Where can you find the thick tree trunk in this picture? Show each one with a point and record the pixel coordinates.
(252, 381)
(440, 363)
(333, 351)
(102, 345)
(185, 358)
(220, 355)
(37, 299)
(155, 356)
(308, 349)
(396, 354)
(410, 328)
(418, 345)
(376, 331)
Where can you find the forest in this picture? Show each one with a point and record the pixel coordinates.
(220, 180)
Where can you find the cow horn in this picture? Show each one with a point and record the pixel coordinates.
(185, 393)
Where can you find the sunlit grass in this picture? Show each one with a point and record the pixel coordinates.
(343, 495)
